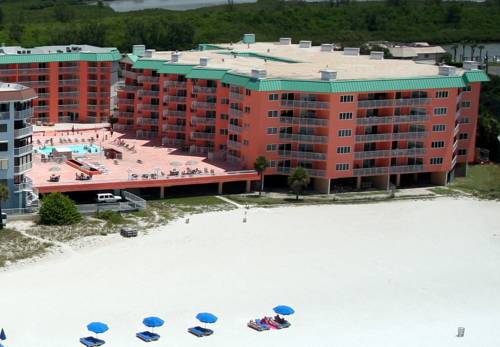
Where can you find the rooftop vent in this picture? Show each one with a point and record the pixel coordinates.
(376, 55)
(446, 70)
(138, 50)
(259, 73)
(351, 51)
(328, 75)
(285, 40)
(175, 57)
(326, 47)
(148, 53)
(204, 61)
(305, 44)
(471, 65)
(249, 38)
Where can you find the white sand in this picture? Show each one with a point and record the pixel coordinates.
(392, 274)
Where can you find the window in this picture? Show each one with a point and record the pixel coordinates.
(224, 101)
(272, 114)
(466, 104)
(223, 131)
(345, 115)
(439, 127)
(463, 136)
(342, 167)
(437, 160)
(345, 132)
(467, 89)
(441, 94)
(440, 111)
(346, 98)
(437, 144)
(272, 131)
(247, 109)
(4, 146)
(272, 163)
(3, 128)
(4, 164)
(224, 116)
(464, 120)
(245, 142)
(273, 97)
(271, 147)
(248, 92)
(343, 149)
(462, 151)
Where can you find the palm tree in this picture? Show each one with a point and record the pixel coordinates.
(472, 50)
(260, 165)
(112, 120)
(463, 43)
(454, 48)
(298, 180)
(481, 48)
(4, 195)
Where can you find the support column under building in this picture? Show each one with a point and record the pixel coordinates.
(358, 182)
(398, 180)
(248, 187)
(322, 185)
(439, 178)
(162, 192)
(381, 182)
(220, 187)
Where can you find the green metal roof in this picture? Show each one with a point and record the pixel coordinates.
(178, 69)
(209, 47)
(149, 64)
(207, 74)
(113, 55)
(131, 57)
(476, 76)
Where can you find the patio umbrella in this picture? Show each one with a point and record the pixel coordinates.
(284, 310)
(97, 327)
(206, 317)
(176, 163)
(191, 162)
(153, 322)
(55, 168)
(3, 337)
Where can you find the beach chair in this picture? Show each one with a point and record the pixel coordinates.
(200, 332)
(279, 323)
(258, 325)
(91, 341)
(148, 336)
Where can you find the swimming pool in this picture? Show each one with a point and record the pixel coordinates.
(79, 149)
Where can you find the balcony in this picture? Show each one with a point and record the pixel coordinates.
(393, 102)
(127, 88)
(369, 171)
(390, 119)
(174, 98)
(304, 138)
(75, 82)
(148, 107)
(27, 185)
(28, 130)
(20, 169)
(70, 107)
(149, 79)
(129, 74)
(235, 128)
(102, 83)
(303, 155)
(43, 95)
(34, 71)
(153, 93)
(304, 121)
(68, 94)
(98, 94)
(373, 137)
(305, 104)
(33, 83)
(203, 120)
(7, 72)
(175, 84)
(174, 113)
(412, 135)
(125, 114)
(166, 141)
(234, 144)
(204, 105)
(454, 161)
(389, 153)
(147, 121)
(406, 169)
(233, 159)
(123, 101)
(204, 90)
(236, 113)
(174, 127)
(143, 134)
(455, 145)
(101, 69)
(23, 114)
(456, 130)
(311, 172)
(198, 135)
(41, 108)
(237, 96)
(18, 151)
(69, 69)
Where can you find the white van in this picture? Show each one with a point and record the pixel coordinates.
(108, 197)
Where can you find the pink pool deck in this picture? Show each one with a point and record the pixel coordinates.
(148, 157)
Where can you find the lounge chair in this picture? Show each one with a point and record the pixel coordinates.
(279, 323)
(200, 332)
(258, 325)
(148, 336)
(91, 341)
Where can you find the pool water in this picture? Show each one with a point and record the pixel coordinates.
(79, 149)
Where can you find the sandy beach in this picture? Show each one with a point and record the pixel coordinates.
(404, 273)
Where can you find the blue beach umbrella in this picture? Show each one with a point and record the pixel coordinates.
(206, 317)
(97, 327)
(284, 310)
(153, 322)
(3, 337)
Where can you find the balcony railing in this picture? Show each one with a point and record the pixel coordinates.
(174, 127)
(166, 141)
(33, 71)
(406, 169)
(367, 171)
(27, 185)
(98, 94)
(390, 119)
(305, 104)
(150, 79)
(409, 135)
(68, 94)
(154, 93)
(233, 159)
(311, 172)
(174, 98)
(28, 130)
(389, 153)
(304, 121)
(70, 82)
(303, 155)
(456, 130)
(236, 113)
(174, 113)
(202, 135)
(235, 128)
(148, 107)
(203, 120)
(147, 121)
(393, 102)
(129, 74)
(455, 145)
(19, 169)
(373, 137)
(18, 151)
(237, 96)
(304, 138)
(125, 114)
(205, 105)
(143, 134)
(31, 83)
(70, 107)
(41, 108)
(123, 101)
(127, 87)
(23, 114)
(204, 90)
(388, 170)
(175, 84)
(69, 69)
(234, 144)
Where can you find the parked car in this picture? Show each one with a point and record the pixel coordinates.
(128, 232)
(108, 197)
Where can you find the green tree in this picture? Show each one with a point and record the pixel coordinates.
(454, 48)
(15, 32)
(1, 16)
(454, 14)
(4, 195)
(260, 165)
(63, 12)
(112, 121)
(58, 209)
(298, 181)
(481, 48)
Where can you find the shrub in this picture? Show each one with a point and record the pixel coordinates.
(111, 217)
(58, 209)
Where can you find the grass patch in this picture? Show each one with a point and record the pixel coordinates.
(87, 227)
(445, 191)
(112, 218)
(482, 181)
(15, 246)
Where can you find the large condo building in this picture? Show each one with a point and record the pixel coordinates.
(73, 83)
(16, 110)
(339, 114)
